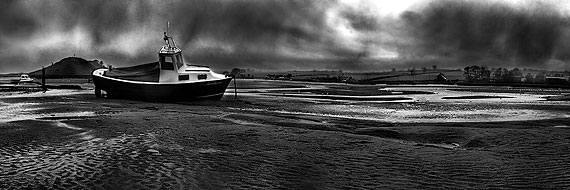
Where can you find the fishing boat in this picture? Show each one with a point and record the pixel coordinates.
(167, 80)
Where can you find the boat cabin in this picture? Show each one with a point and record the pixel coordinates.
(170, 64)
(25, 78)
(170, 61)
(173, 68)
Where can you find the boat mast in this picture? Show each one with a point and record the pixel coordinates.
(168, 39)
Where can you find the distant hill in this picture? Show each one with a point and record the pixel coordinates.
(70, 67)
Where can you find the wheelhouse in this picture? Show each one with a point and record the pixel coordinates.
(170, 60)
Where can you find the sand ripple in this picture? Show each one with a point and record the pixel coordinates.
(113, 163)
(276, 143)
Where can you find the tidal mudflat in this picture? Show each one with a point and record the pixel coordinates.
(286, 134)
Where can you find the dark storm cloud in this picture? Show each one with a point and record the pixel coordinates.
(13, 22)
(255, 30)
(528, 35)
(361, 21)
(281, 34)
(36, 33)
(251, 33)
(105, 18)
(250, 21)
(258, 32)
(22, 18)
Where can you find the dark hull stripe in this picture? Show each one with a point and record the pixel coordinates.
(168, 92)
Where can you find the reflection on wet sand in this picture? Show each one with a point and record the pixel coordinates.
(283, 135)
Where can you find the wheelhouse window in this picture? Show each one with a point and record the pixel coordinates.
(179, 61)
(166, 63)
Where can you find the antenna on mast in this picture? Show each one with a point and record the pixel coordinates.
(167, 38)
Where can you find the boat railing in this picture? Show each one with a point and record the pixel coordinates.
(204, 66)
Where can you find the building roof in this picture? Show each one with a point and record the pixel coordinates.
(166, 49)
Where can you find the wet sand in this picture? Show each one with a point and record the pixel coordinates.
(283, 134)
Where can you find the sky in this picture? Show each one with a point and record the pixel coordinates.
(349, 35)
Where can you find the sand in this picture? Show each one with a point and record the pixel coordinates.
(281, 135)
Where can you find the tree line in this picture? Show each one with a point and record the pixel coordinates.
(501, 75)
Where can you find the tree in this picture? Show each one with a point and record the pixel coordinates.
(412, 72)
(529, 78)
(500, 74)
(467, 73)
(471, 73)
(540, 78)
(485, 74)
(477, 73)
(514, 75)
(236, 71)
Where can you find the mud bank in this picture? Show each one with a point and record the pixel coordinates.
(70, 139)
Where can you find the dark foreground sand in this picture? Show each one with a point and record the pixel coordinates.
(271, 139)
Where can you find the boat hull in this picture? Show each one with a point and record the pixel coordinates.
(159, 92)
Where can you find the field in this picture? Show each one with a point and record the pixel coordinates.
(289, 134)
(378, 77)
